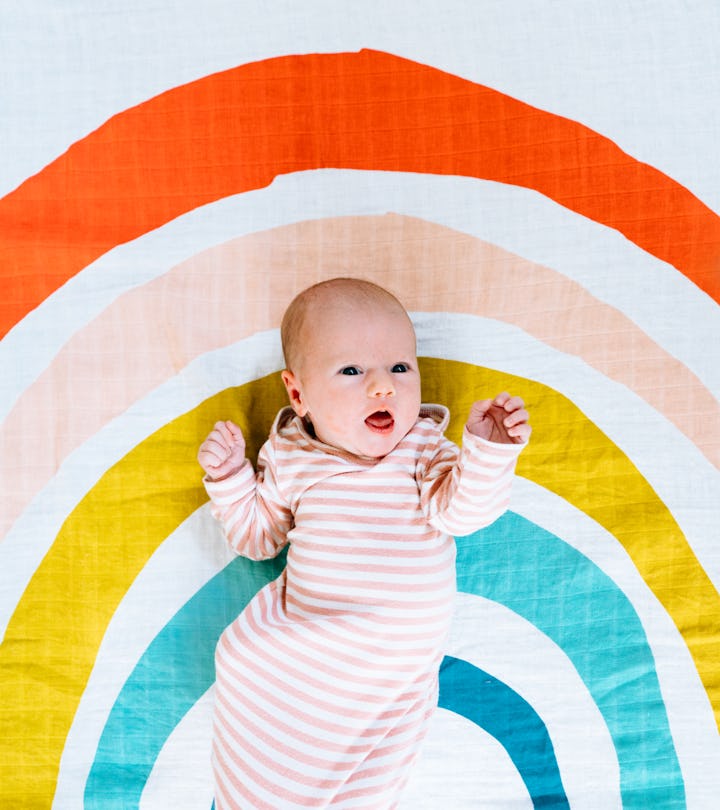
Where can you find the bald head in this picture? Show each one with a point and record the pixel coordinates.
(334, 296)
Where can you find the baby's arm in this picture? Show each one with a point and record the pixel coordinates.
(249, 507)
(464, 490)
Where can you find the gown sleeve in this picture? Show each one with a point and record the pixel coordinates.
(251, 509)
(463, 490)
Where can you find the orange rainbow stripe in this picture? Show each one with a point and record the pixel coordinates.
(235, 131)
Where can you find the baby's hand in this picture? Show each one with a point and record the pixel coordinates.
(503, 420)
(223, 452)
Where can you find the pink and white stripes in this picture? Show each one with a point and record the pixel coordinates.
(327, 680)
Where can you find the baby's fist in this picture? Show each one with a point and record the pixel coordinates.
(223, 452)
(503, 420)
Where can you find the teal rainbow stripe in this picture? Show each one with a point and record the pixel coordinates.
(569, 599)
(514, 562)
(175, 671)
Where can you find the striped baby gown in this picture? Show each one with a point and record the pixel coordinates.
(326, 682)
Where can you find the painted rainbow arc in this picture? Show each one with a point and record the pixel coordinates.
(339, 99)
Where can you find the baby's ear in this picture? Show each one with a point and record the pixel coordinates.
(292, 384)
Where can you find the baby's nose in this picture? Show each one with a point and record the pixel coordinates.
(380, 384)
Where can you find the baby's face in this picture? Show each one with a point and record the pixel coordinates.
(358, 380)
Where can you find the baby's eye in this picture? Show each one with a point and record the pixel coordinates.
(399, 368)
(350, 370)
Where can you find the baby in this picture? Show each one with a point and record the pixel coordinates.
(327, 681)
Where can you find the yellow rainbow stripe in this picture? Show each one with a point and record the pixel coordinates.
(54, 635)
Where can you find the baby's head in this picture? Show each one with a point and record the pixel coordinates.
(351, 370)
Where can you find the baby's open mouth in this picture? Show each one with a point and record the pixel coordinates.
(380, 421)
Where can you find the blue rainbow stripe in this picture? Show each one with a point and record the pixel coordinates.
(513, 562)
(490, 704)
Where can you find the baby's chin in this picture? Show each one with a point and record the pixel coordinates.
(382, 436)
(375, 437)
(372, 446)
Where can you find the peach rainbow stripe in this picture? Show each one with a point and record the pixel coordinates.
(237, 130)
(74, 593)
(432, 268)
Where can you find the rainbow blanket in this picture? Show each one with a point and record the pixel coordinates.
(539, 184)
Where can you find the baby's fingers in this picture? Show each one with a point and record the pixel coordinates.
(508, 403)
(217, 447)
(516, 424)
(516, 417)
(227, 433)
(516, 420)
(212, 454)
